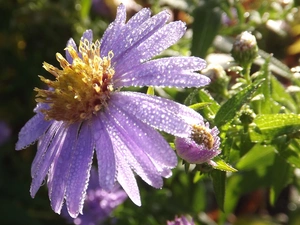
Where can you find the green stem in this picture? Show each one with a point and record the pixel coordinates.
(247, 68)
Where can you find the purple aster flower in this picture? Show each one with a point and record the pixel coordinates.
(98, 203)
(84, 111)
(202, 145)
(180, 221)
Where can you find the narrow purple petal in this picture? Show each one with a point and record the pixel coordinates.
(127, 180)
(160, 113)
(134, 36)
(79, 172)
(88, 35)
(43, 145)
(60, 168)
(71, 43)
(173, 71)
(50, 146)
(152, 46)
(136, 20)
(113, 31)
(32, 130)
(105, 155)
(129, 35)
(134, 155)
(159, 150)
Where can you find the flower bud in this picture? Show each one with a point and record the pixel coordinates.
(244, 49)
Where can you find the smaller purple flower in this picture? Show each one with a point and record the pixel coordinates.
(5, 132)
(202, 145)
(98, 204)
(180, 221)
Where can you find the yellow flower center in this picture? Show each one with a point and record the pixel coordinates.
(201, 135)
(82, 88)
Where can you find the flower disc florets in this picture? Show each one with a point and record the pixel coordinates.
(81, 88)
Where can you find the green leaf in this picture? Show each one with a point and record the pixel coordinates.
(271, 126)
(280, 178)
(230, 108)
(290, 153)
(259, 155)
(199, 106)
(207, 21)
(222, 165)
(219, 180)
(280, 95)
(211, 109)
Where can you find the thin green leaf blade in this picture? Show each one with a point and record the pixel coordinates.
(280, 178)
(230, 108)
(207, 21)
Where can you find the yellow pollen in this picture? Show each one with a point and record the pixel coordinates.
(81, 88)
(201, 135)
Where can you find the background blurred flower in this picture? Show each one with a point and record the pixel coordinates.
(180, 221)
(83, 110)
(5, 132)
(98, 203)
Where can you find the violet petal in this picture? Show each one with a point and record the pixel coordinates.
(160, 113)
(105, 155)
(173, 71)
(50, 146)
(134, 155)
(79, 171)
(60, 168)
(32, 130)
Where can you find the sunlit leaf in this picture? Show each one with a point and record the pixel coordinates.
(222, 165)
(199, 106)
(273, 125)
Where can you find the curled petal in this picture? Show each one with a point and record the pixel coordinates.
(189, 151)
